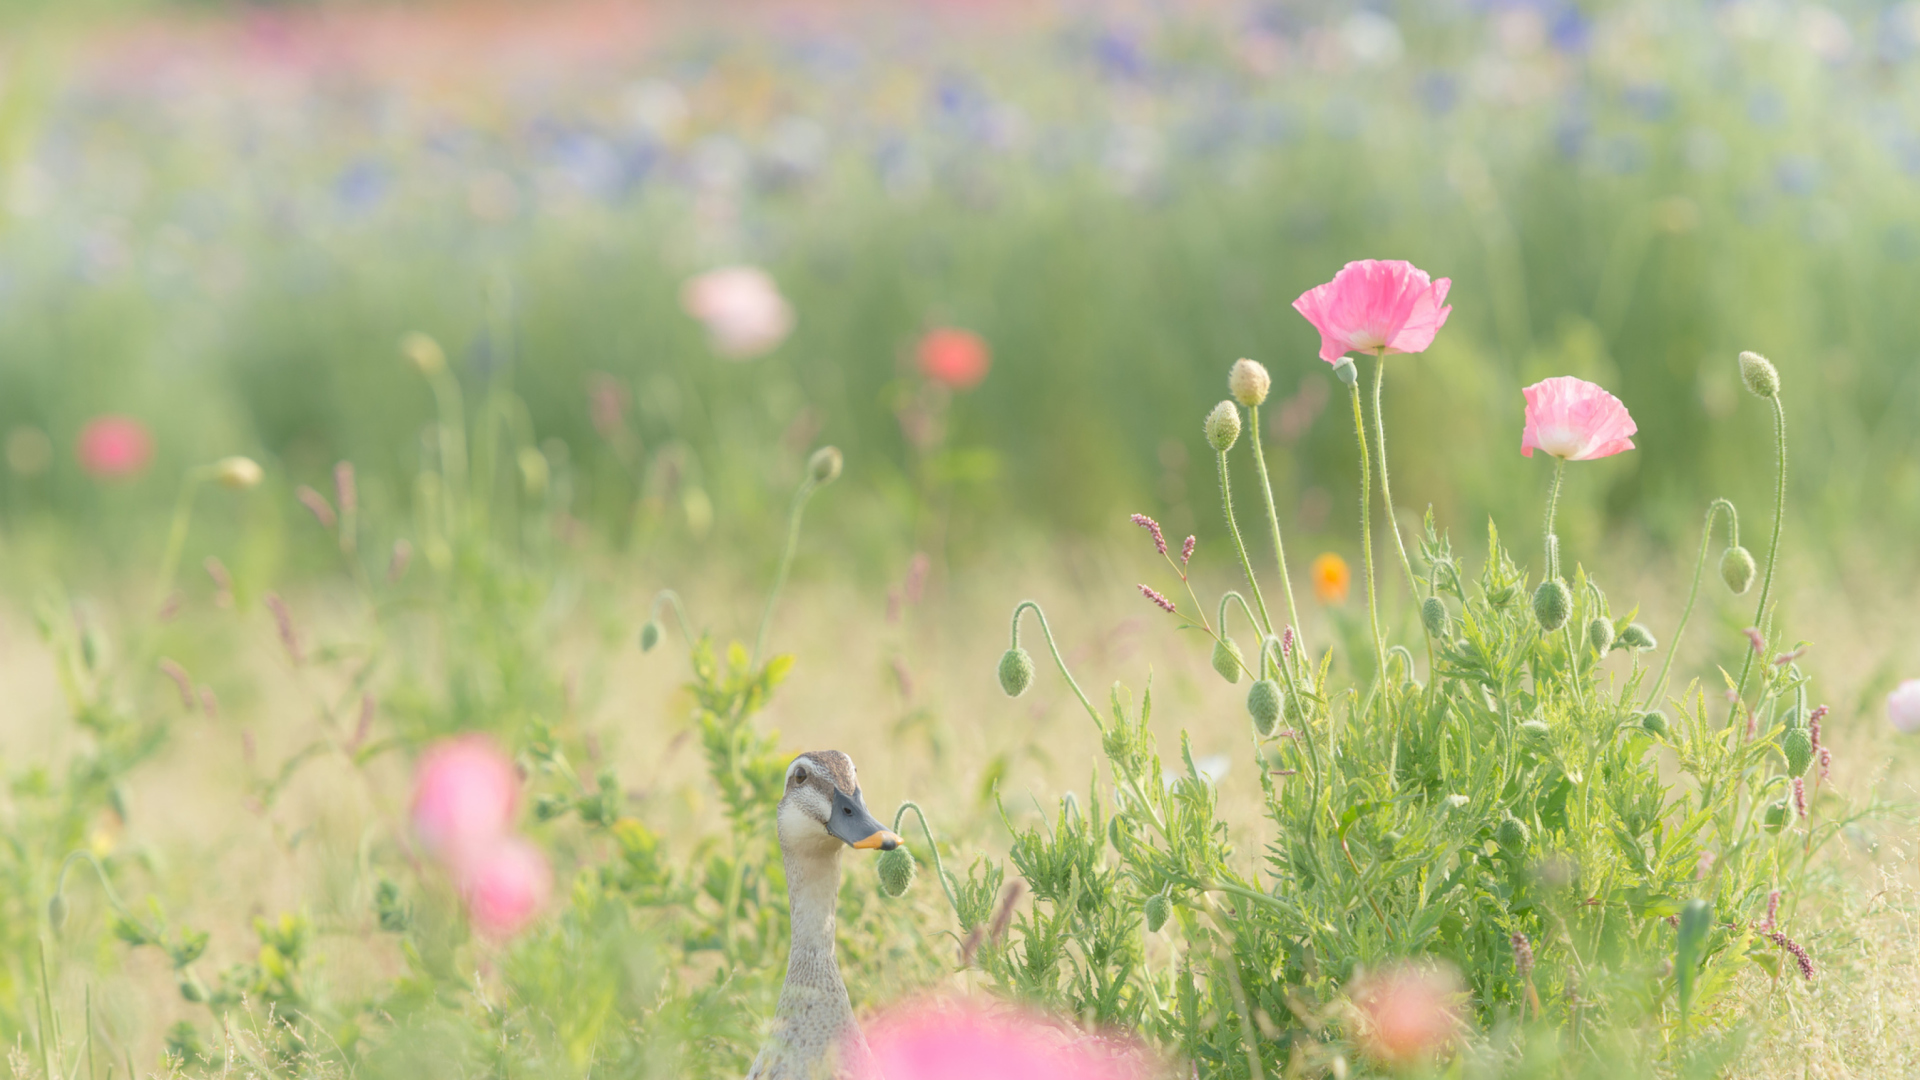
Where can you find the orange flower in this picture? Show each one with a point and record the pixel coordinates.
(1331, 578)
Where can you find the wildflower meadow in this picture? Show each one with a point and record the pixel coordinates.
(859, 541)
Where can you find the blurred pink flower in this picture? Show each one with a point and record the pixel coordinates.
(1374, 305)
(743, 311)
(956, 359)
(1903, 706)
(1574, 419)
(966, 1042)
(464, 793)
(1407, 1014)
(112, 447)
(506, 887)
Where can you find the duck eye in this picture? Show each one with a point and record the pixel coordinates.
(799, 776)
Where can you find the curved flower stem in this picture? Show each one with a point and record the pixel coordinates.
(1386, 493)
(939, 868)
(1773, 546)
(1273, 520)
(800, 497)
(1239, 545)
(1366, 536)
(177, 530)
(1047, 632)
(669, 598)
(1693, 592)
(1553, 503)
(1234, 597)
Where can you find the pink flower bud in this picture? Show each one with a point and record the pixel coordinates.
(505, 887)
(464, 794)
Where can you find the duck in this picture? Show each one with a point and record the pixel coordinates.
(821, 814)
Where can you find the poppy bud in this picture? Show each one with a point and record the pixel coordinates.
(1600, 634)
(1654, 723)
(896, 871)
(1016, 671)
(1227, 659)
(1433, 615)
(824, 466)
(1552, 603)
(1249, 382)
(424, 352)
(649, 636)
(1776, 816)
(1345, 368)
(192, 989)
(1223, 426)
(1157, 909)
(237, 473)
(1263, 704)
(1637, 637)
(1759, 375)
(1512, 835)
(57, 912)
(1797, 746)
(1736, 569)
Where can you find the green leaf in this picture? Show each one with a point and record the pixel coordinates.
(1695, 920)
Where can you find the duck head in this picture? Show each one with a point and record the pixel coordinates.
(822, 808)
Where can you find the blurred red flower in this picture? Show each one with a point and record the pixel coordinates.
(956, 359)
(113, 447)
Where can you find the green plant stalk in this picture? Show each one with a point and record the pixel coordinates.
(1273, 522)
(1366, 537)
(1047, 632)
(177, 529)
(1386, 492)
(670, 598)
(1553, 503)
(800, 498)
(1693, 591)
(1773, 545)
(1240, 545)
(939, 868)
(452, 431)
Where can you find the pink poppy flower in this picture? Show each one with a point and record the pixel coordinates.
(114, 447)
(743, 311)
(956, 359)
(1376, 305)
(506, 888)
(464, 793)
(1574, 419)
(1408, 1014)
(1903, 706)
(966, 1042)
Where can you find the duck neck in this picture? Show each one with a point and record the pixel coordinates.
(813, 888)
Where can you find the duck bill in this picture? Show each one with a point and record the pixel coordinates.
(853, 824)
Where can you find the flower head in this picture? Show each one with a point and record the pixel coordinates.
(956, 359)
(1374, 306)
(1164, 603)
(464, 793)
(114, 447)
(505, 887)
(964, 1041)
(1903, 706)
(1574, 419)
(1330, 578)
(742, 309)
(1153, 527)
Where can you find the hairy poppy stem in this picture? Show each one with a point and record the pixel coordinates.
(1386, 493)
(1366, 534)
(1693, 592)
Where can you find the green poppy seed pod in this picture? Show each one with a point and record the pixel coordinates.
(191, 989)
(1016, 671)
(1433, 615)
(1263, 704)
(237, 473)
(1511, 835)
(1249, 382)
(1156, 909)
(1227, 659)
(424, 353)
(1635, 636)
(57, 912)
(1552, 603)
(1797, 746)
(896, 871)
(825, 464)
(1759, 374)
(1600, 634)
(1775, 818)
(1654, 723)
(649, 636)
(1736, 569)
(1223, 426)
(1344, 367)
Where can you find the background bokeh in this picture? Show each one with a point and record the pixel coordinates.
(220, 219)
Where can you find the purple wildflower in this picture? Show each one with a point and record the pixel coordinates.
(1152, 526)
(1773, 912)
(1164, 603)
(1759, 643)
(1186, 551)
(1522, 954)
(1800, 956)
(1286, 643)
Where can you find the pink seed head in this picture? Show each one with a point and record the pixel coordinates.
(1164, 603)
(317, 505)
(1818, 714)
(1773, 910)
(1800, 797)
(1152, 526)
(181, 682)
(283, 620)
(1186, 551)
(345, 491)
(1754, 639)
